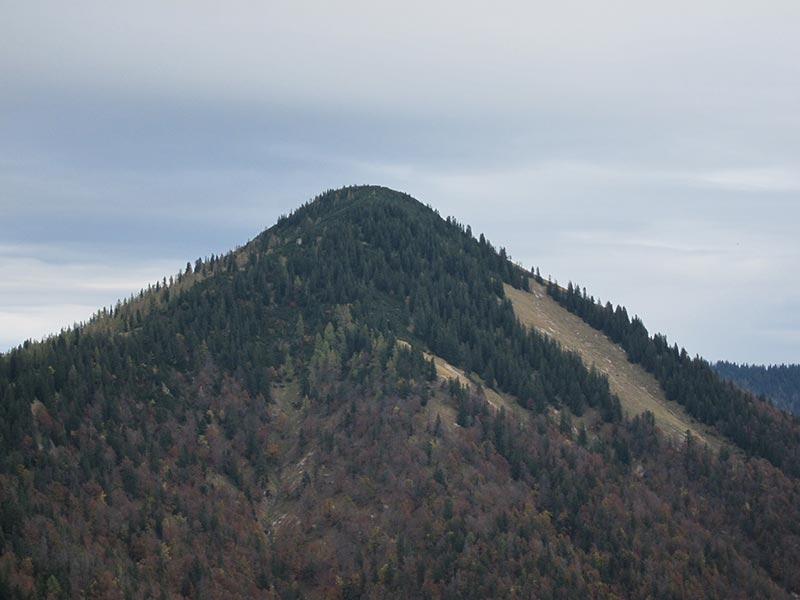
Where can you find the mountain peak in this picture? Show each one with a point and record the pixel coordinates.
(351, 407)
(333, 202)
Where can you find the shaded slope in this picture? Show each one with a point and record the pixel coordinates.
(637, 390)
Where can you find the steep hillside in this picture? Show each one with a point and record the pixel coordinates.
(348, 407)
(751, 422)
(637, 389)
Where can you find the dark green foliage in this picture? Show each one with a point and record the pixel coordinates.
(779, 383)
(373, 248)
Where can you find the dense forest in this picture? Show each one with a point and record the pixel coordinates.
(271, 423)
(779, 383)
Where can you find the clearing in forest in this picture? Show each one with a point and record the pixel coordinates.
(637, 389)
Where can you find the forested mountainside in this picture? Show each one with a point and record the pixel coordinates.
(752, 423)
(779, 383)
(272, 423)
(638, 391)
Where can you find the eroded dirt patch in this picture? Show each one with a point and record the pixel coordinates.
(638, 391)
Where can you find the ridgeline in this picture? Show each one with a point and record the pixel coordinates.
(348, 406)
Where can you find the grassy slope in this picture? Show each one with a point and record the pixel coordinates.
(637, 390)
(495, 399)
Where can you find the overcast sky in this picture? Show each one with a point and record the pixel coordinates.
(649, 151)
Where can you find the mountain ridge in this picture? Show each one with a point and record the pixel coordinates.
(779, 383)
(348, 406)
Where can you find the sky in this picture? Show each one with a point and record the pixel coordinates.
(649, 151)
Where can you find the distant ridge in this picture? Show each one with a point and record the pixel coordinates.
(779, 383)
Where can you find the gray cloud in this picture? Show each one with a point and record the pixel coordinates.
(45, 288)
(650, 152)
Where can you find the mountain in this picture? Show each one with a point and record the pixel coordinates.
(367, 401)
(779, 383)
